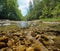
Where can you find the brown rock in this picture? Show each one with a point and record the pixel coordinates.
(20, 48)
(4, 39)
(37, 47)
(2, 44)
(14, 48)
(10, 43)
(16, 34)
(27, 43)
(3, 33)
(30, 49)
(3, 49)
(8, 49)
(37, 36)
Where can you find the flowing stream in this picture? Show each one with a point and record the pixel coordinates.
(22, 24)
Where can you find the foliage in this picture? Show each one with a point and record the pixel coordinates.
(9, 10)
(44, 9)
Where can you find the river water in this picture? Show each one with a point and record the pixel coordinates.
(22, 24)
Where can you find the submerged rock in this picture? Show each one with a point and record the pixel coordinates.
(2, 45)
(28, 39)
(4, 39)
(30, 49)
(20, 48)
(10, 43)
(3, 49)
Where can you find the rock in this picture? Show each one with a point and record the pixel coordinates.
(3, 33)
(9, 49)
(56, 49)
(10, 43)
(36, 46)
(18, 43)
(44, 37)
(14, 48)
(51, 42)
(27, 39)
(21, 38)
(6, 49)
(45, 43)
(22, 43)
(2, 44)
(27, 43)
(47, 40)
(3, 49)
(16, 34)
(12, 31)
(4, 39)
(30, 49)
(20, 48)
(16, 38)
(33, 34)
(37, 36)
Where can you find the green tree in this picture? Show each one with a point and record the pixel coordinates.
(10, 10)
(56, 11)
(44, 9)
(35, 12)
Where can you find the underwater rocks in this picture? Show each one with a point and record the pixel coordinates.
(2, 44)
(30, 39)
(3, 39)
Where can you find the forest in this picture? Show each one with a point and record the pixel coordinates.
(9, 10)
(40, 9)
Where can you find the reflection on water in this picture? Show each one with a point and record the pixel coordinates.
(22, 24)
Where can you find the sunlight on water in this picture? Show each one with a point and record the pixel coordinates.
(22, 24)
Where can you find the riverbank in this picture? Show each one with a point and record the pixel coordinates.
(51, 20)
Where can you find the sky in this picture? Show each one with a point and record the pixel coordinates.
(23, 6)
